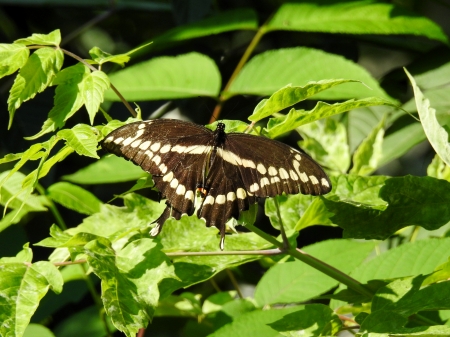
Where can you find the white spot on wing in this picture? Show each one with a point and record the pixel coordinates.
(168, 176)
(274, 180)
(229, 156)
(248, 163)
(181, 190)
(314, 180)
(174, 183)
(264, 182)
(109, 139)
(118, 140)
(283, 174)
(163, 168)
(136, 143)
(254, 187)
(298, 157)
(303, 177)
(155, 147)
(324, 182)
(178, 148)
(189, 195)
(241, 193)
(293, 175)
(149, 154)
(220, 199)
(156, 160)
(261, 169)
(273, 171)
(197, 149)
(165, 148)
(141, 126)
(209, 200)
(231, 196)
(144, 146)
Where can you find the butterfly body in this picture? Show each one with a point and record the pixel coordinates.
(229, 171)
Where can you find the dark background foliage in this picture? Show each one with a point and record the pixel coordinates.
(119, 27)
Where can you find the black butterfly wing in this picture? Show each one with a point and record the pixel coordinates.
(269, 167)
(173, 151)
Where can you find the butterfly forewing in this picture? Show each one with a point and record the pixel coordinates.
(229, 170)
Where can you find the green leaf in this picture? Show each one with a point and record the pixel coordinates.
(368, 154)
(420, 201)
(74, 197)
(438, 169)
(60, 239)
(82, 138)
(267, 72)
(436, 134)
(12, 57)
(398, 143)
(130, 279)
(51, 39)
(68, 99)
(356, 17)
(295, 118)
(190, 234)
(313, 320)
(93, 88)
(239, 19)
(360, 123)
(60, 156)
(113, 221)
(101, 57)
(184, 76)
(34, 77)
(413, 258)
(326, 142)
(297, 282)
(289, 95)
(37, 330)
(109, 169)
(12, 187)
(21, 289)
(25, 255)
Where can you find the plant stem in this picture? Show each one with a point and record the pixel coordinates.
(315, 263)
(248, 52)
(52, 207)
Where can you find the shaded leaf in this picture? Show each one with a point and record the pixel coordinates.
(183, 76)
(74, 197)
(12, 57)
(82, 138)
(267, 72)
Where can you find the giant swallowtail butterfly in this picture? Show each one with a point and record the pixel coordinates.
(230, 171)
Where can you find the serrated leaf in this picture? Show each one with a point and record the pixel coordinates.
(357, 17)
(113, 221)
(109, 169)
(190, 234)
(420, 201)
(295, 118)
(130, 279)
(267, 72)
(313, 320)
(21, 289)
(93, 88)
(183, 76)
(289, 95)
(34, 77)
(368, 154)
(297, 282)
(51, 39)
(12, 57)
(74, 197)
(68, 99)
(436, 134)
(82, 139)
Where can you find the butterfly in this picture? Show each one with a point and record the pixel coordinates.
(227, 171)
